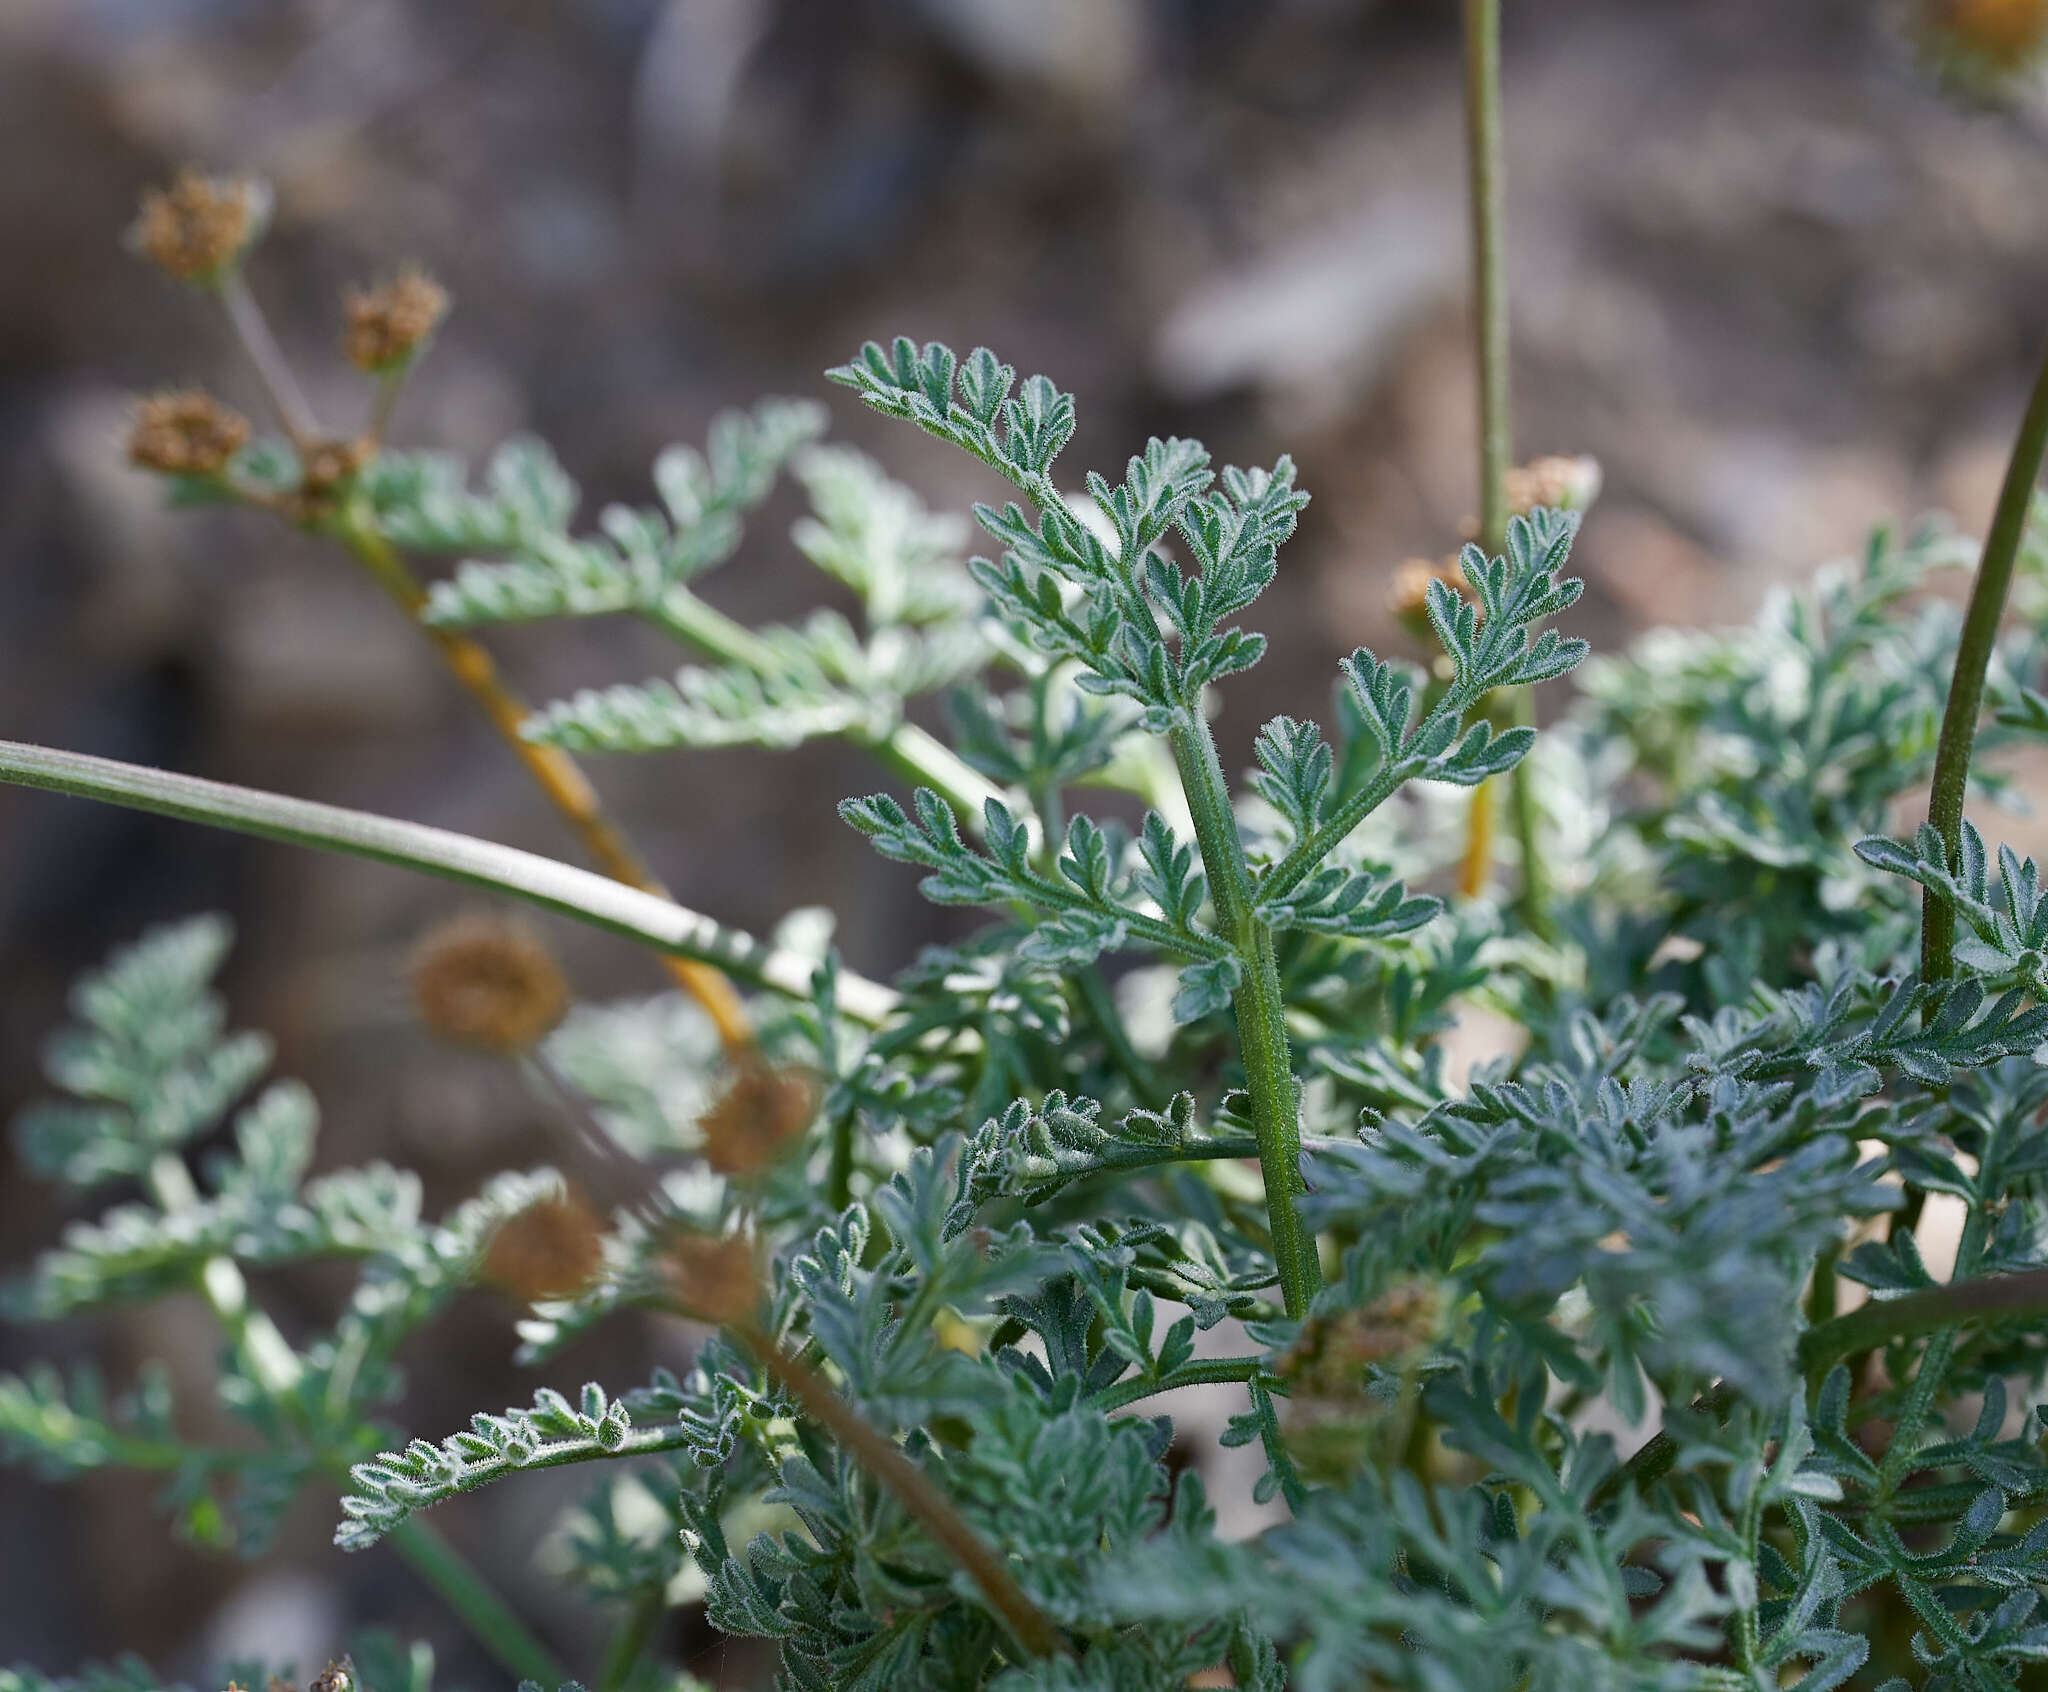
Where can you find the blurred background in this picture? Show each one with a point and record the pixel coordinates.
(1765, 268)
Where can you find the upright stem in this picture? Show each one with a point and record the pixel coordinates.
(1261, 1013)
(557, 775)
(1487, 192)
(1973, 657)
(1486, 177)
(629, 1643)
(483, 1612)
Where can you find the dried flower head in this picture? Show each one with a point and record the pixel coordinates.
(385, 327)
(185, 432)
(552, 1249)
(715, 1276)
(2001, 35)
(200, 226)
(1568, 484)
(761, 1112)
(336, 1677)
(488, 982)
(326, 465)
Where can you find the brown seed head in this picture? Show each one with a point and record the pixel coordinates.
(326, 465)
(385, 326)
(199, 227)
(337, 1677)
(2005, 34)
(184, 432)
(714, 1276)
(1570, 484)
(552, 1249)
(762, 1111)
(488, 982)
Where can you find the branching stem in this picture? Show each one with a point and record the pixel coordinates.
(1261, 1012)
(273, 369)
(914, 1489)
(1973, 658)
(557, 775)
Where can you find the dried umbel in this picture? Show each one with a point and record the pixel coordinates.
(552, 1249)
(713, 1276)
(185, 432)
(327, 465)
(198, 228)
(488, 982)
(761, 1113)
(385, 327)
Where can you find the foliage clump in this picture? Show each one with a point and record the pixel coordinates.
(1615, 1363)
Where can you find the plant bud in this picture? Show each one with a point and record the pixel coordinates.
(488, 982)
(185, 432)
(552, 1249)
(761, 1112)
(715, 1277)
(385, 327)
(198, 228)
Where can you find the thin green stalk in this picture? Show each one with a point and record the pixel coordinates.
(1989, 1298)
(277, 1370)
(483, 1612)
(1486, 178)
(273, 1364)
(629, 1644)
(1261, 1012)
(576, 893)
(1487, 192)
(1207, 1371)
(1973, 657)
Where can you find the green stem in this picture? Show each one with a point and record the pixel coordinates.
(273, 1364)
(579, 894)
(629, 1643)
(1261, 1012)
(483, 1612)
(1990, 1298)
(1486, 178)
(1973, 657)
(1208, 1371)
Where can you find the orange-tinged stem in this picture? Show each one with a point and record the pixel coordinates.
(557, 774)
